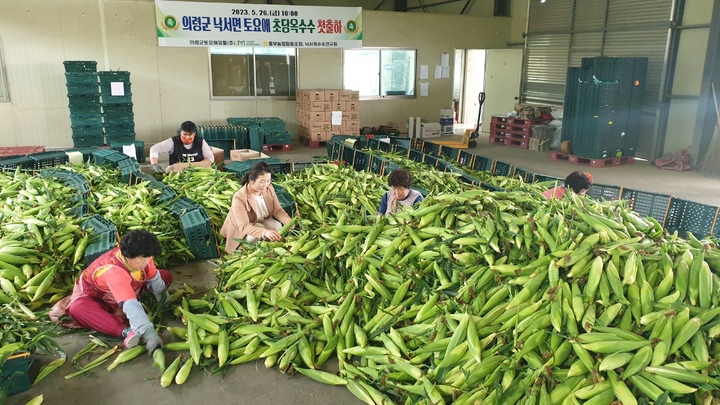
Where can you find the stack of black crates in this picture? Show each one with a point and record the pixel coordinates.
(118, 119)
(603, 106)
(84, 102)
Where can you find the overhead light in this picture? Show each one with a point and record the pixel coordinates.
(542, 1)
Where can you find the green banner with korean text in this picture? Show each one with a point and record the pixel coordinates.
(191, 24)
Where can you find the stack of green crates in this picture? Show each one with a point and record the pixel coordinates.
(118, 118)
(84, 102)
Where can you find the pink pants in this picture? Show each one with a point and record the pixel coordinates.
(97, 315)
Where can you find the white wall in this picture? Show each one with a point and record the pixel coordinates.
(688, 74)
(170, 85)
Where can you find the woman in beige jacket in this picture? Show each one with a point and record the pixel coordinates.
(253, 208)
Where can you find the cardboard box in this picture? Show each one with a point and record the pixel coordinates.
(218, 154)
(178, 167)
(349, 95)
(241, 155)
(332, 95)
(338, 106)
(352, 106)
(318, 116)
(319, 126)
(315, 95)
(430, 130)
(351, 125)
(320, 136)
(318, 106)
(337, 129)
(352, 133)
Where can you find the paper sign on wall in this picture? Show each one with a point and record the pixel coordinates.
(445, 72)
(424, 89)
(445, 60)
(117, 88)
(423, 72)
(438, 72)
(336, 118)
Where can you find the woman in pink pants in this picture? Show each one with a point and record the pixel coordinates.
(105, 296)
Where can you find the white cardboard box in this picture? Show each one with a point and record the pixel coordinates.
(431, 130)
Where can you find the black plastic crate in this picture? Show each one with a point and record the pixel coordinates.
(183, 205)
(466, 158)
(601, 192)
(482, 163)
(300, 166)
(688, 216)
(85, 120)
(282, 168)
(431, 160)
(114, 76)
(648, 204)
(432, 149)
(416, 156)
(502, 169)
(73, 66)
(199, 234)
(48, 159)
(361, 161)
(449, 153)
(523, 174)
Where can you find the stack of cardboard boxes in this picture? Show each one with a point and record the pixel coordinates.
(315, 113)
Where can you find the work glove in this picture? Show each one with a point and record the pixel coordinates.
(152, 341)
(158, 168)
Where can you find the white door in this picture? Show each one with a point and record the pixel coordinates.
(502, 83)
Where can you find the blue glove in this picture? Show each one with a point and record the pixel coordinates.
(152, 341)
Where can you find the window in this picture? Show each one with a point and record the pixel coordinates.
(502, 8)
(252, 72)
(380, 72)
(3, 84)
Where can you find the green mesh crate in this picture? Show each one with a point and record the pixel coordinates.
(95, 131)
(74, 66)
(502, 168)
(431, 161)
(688, 216)
(300, 166)
(225, 144)
(601, 192)
(243, 121)
(82, 88)
(81, 78)
(85, 109)
(104, 242)
(117, 130)
(278, 138)
(15, 374)
(199, 234)
(117, 109)
(449, 153)
(80, 142)
(377, 164)
(108, 156)
(281, 168)
(124, 99)
(466, 158)
(239, 168)
(361, 160)
(183, 205)
(99, 225)
(389, 167)
(114, 76)
(86, 120)
(272, 124)
(648, 204)
(83, 100)
(119, 119)
(139, 148)
(70, 179)
(430, 148)
(256, 136)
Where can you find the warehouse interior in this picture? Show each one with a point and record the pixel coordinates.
(515, 51)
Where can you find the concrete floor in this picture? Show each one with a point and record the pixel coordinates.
(138, 381)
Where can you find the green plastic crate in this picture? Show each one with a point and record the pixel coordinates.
(108, 99)
(70, 179)
(80, 142)
(99, 225)
(82, 88)
(199, 234)
(23, 162)
(114, 76)
(86, 120)
(103, 242)
(15, 374)
(81, 78)
(109, 157)
(80, 66)
(183, 205)
(139, 148)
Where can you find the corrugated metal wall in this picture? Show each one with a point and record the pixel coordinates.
(562, 32)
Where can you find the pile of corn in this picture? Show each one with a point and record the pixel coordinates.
(471, 298)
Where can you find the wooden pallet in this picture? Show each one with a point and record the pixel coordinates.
(277, 147)
(313, 144)
(593, 162)
(516, 143)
